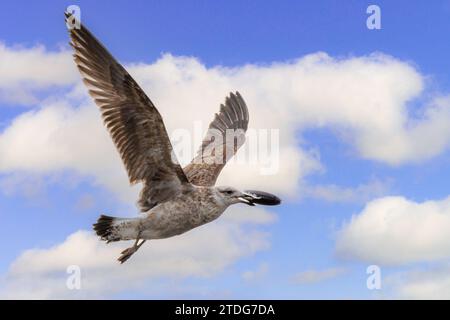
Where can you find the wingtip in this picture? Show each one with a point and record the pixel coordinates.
(236, 96)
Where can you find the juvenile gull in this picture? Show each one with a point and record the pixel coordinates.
(173, 200)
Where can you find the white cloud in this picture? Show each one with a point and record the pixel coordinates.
(201, 253)
(59, 137)
(314, 276)
(26, 70)
(364, 98)
(394, 230)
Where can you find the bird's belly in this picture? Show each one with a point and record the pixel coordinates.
(163, 223)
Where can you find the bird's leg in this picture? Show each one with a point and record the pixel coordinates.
(127, 253)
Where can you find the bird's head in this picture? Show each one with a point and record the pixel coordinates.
(230, 195)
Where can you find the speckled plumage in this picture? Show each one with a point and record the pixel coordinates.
(173, 200)
(188, 210)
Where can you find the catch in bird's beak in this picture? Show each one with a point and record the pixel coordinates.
(252, 197)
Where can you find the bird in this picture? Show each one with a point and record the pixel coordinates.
(173, 200)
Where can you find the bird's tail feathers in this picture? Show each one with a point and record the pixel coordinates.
(114, 229)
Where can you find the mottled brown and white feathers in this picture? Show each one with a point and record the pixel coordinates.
(138, 131)
(229, 125)
(135, 125)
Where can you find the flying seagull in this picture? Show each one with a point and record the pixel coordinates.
(173, 200)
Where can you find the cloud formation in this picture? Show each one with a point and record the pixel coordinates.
(397, 231)
(364, 99)
(200, 253)
(24, 71)
(367, 101)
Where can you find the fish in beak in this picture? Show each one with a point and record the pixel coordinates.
(252, 197)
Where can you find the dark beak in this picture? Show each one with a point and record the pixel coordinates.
(252, 197)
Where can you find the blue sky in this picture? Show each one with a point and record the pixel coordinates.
(41, 208)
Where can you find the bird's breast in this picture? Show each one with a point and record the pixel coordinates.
(180, 215)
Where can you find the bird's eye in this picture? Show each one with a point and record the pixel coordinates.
(228, 192)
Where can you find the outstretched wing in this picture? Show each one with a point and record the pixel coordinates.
(225, 135)
(135, 125)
